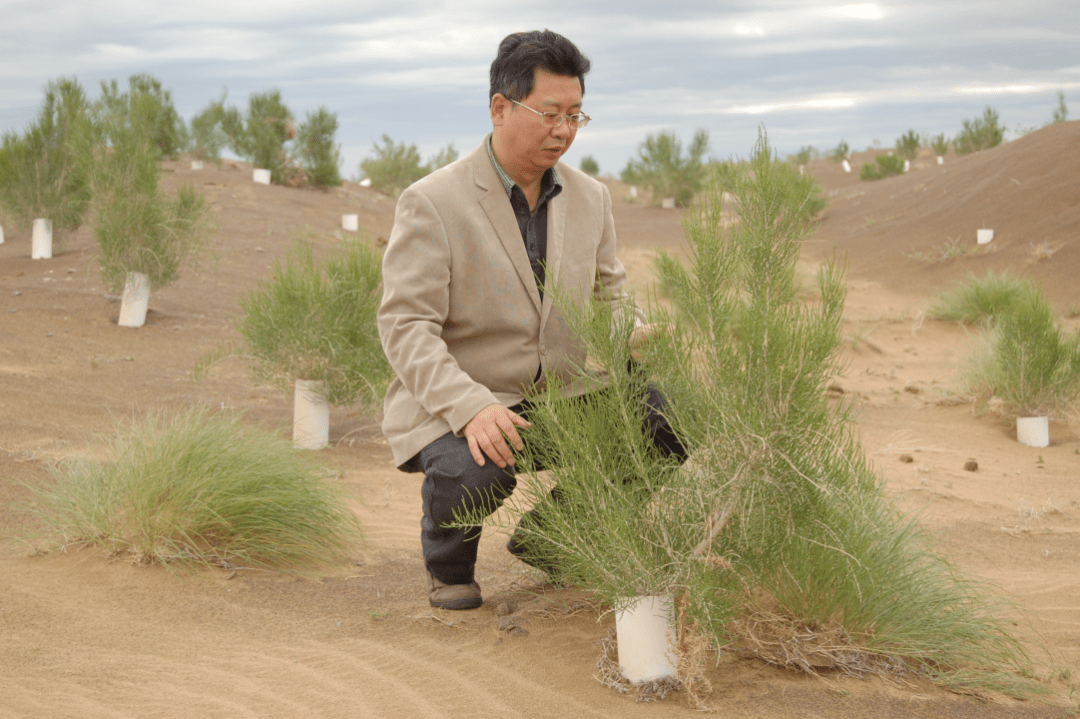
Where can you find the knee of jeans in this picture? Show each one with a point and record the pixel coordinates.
(478, 492)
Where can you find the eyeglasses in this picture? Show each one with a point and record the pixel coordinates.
(555, 119)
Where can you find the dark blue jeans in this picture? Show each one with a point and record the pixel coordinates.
(454, 482)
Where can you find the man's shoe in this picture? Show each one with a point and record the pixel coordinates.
(453, 596)
(516, 546)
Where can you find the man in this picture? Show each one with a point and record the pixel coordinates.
(465, 321)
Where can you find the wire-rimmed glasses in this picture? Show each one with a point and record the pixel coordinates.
(554, 119)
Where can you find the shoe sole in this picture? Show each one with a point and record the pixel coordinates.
(464, 603)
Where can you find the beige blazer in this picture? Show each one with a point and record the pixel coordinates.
(461, 320)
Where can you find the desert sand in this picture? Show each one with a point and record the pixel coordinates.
(84, 635)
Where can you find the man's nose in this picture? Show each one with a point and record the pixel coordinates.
(563, 130)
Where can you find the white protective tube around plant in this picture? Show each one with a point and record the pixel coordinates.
(847, 166)
(41, 241)
(311, 415)
(350, 222)
(1033, 431)
(668, 203)
(940, 160)
(983, 237)
(196, 164)
(646, 638)
(135, 300)
(1, 234)
(261, 176)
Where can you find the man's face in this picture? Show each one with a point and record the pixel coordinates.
(530, 146)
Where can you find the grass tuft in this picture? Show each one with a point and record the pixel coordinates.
(202, 489)
(980, 299)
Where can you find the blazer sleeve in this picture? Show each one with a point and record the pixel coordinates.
(610, 273)
(416, 299)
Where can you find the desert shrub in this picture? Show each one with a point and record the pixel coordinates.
(316, 321)
(980, 133)
(207, 137)
(316, 149)
(1061, 112)
(980, 299)
(202, 488)
(139, 228)
(150, 106)
(840, 152)
(907, 145)
(886, 166)
(940, 144)
(396, 166)
(260, 135)
(662, 167)
(777, 523)
(1026, 361)
(805, 154)
(590, 166)
(41, 172)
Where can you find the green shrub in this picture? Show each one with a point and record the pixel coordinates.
(907, 145)
(1026, 362)
(981, 133)
(138, 228)
(315, 146)
(203, 488)
(207, 137)
(887, 166)
(316, 321)
(778, 516)
(662, 167)
(260, 135)
(442, 158)
(940, 144)
(980, 299)
(840, 152)
(42, 174)
(590, 166)
(1061, 112)
(149, 106)
(394, 167)
(805, 155)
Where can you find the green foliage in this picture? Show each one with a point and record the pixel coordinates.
(940, 144)
(980, 133)
(395, 167)
(805, 154)
(316, 148)
(840, 152)
(138, 228)
(778, 510)
(316, 321)
(41, 175)
(207, 136)
(662, 167)
(147, 106)
(260, 135)
(200, 488)
(907, 145)
(980, 299)
(1061, 112)
(887, 166)
(1027, 362)
(590, 166)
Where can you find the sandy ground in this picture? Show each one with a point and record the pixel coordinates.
(84, 636)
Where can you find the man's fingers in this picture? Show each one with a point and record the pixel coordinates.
(474, 449)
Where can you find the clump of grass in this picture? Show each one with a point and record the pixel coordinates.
(316, 321)
(1026, 362)
(887, 166)
(950, 249)
(979, 299)
(202, 488)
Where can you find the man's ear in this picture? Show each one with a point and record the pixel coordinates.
(500, 108)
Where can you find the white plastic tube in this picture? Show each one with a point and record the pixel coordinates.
(311, 415)
(907, 165)
(135, 300)
(668, 203)
(1, 234)
(261, 176)
(366, 182)
(646, 637)
(847, 166)
(940, 160)
(41, 242)
(983, 237)
(633, 190)
(196, 164)
(1033, 431)
(350, 222)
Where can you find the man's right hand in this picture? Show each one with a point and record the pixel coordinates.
(488, 431)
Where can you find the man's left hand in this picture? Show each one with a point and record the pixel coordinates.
(641, 336)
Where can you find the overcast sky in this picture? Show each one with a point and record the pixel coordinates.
(811, 72)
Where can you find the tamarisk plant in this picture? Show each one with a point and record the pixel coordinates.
(777, 529)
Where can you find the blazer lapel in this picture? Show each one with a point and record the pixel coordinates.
(556, 232)
(497, 207)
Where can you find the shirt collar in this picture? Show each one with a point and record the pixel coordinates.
(508, 183)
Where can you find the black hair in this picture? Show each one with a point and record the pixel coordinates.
(521, 53)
